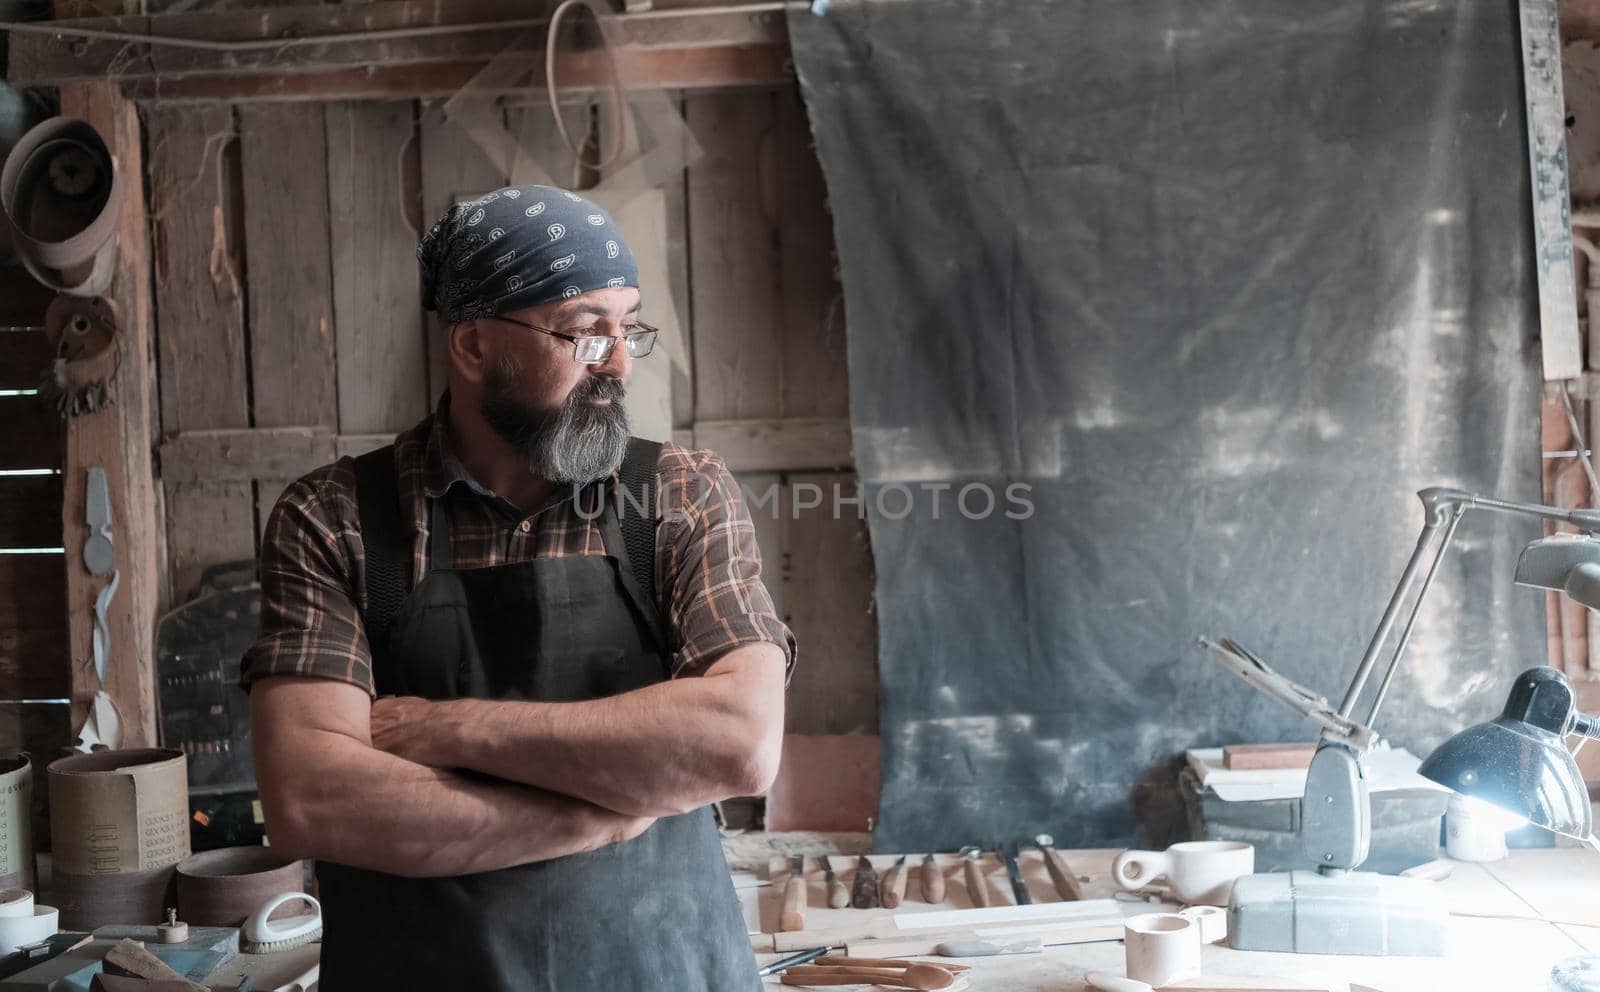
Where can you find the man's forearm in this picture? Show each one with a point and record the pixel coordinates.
(368, 809)
(664, 749)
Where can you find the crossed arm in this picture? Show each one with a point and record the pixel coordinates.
(375, 786)
(658, 751)
(328, 793)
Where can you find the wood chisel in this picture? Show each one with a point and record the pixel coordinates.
(1019, 888)
(793, 915)
(976, 890)
(932, 878)
(838, 895)
(1061, 873)
(893, 891)
(864, 888)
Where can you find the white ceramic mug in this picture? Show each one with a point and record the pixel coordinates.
(1197, 872)
(1161, 948)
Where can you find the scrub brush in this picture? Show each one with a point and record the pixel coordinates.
(263, 936)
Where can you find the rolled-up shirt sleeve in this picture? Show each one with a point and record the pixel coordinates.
(710, 576)
(310, 592)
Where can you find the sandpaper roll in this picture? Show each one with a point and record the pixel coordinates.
(113, 812)
(16, 823)
(66, 239)
(221, 888)
(90, 901)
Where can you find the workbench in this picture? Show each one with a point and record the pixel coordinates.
(1489, 954)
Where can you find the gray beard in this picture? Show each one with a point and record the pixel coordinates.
(573, 444)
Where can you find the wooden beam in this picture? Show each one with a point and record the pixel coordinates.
(222, 456)
(793, 444)
(258, 453)
(118, 439)
(240, 455)
(390, 34)
(581, 77)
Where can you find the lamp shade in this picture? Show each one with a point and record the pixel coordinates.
(1519, 762)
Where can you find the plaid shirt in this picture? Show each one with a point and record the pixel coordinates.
(313, 576)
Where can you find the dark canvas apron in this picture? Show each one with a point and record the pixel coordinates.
(655, 912)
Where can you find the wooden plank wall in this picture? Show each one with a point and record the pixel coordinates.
(34, 654)
(287, 297)
(766, 313)
(201, 349)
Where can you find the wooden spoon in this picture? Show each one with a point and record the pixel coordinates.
(923, 977)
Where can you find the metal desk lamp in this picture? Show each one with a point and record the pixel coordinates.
(1338, 910)
(1519, 763)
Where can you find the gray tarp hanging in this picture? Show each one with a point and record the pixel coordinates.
(1224, 283)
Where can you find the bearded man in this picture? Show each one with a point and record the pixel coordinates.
(499, 681)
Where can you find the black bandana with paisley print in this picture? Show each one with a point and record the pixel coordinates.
(518, 247)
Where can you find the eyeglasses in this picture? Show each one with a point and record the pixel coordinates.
(592, 349)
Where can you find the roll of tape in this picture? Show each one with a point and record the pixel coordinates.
(16, 902)
(15, 931)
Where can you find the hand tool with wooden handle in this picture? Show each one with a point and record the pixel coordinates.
(838, 895)
(893, 891)
(1019, 888)
(864, 887)
(793, 914)
(976, 890)
(1061, 873)
(932, 878)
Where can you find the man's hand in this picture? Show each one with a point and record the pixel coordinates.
(400, 726)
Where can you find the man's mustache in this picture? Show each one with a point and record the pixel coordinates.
(598, 388)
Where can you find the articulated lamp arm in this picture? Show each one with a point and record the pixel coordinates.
(1336, 811)
(1443, 509)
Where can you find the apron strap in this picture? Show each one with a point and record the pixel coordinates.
(628, 530)
(438, 536)
(387, 549)
(637, 477)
